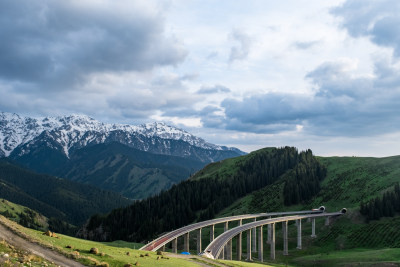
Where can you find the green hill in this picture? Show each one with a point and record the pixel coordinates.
(282, 179)
(349, 181)
(134, 173)
(55, 197)
(23, 215)
(208, 192)
(115, 254)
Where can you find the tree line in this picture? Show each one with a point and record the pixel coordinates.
(192, 200)
(55, 197)
(303, 183)
(385, 206)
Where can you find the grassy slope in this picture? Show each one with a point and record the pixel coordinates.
(53, 196)
(349, 180)
(352, 179)
(225, 169)
(14, 211)
(114, 253)
(359, 257)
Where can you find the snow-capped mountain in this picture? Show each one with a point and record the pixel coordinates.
(21, 135)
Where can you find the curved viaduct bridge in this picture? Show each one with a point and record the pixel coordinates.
(215, 252)
(224, 242)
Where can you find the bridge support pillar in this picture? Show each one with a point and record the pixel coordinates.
(222, 254)
(199, 250)
(163, 248)
(260, 244)
(186, 242)
(211, 233)
(229, 250)
(254, 245)
(269, 232)
(327, 220)
(285, 238)
(313, 228)
(239, 244)
(298, 223)
(249, 245)
(225, 249)
(175, 245)
(272, 241)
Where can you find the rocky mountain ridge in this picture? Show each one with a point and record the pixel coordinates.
(21, 135)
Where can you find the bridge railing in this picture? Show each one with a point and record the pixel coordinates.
(184, 231)
(223, 243)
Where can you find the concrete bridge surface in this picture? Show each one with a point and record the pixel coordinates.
(172, 236)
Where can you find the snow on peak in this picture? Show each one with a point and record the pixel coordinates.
(75, 129)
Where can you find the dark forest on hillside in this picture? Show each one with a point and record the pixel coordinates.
(201, 199)
(384, 206)
(56, 198)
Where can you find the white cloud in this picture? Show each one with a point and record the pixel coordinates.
(246, 73)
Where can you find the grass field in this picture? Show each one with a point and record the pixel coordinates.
(354, 257)
(349, 180)
(116, 254)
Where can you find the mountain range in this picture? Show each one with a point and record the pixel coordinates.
(137, 161)
(19, 136)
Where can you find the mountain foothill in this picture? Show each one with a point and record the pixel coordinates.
(132, 183)
(58, 164)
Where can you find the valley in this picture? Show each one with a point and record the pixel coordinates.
(240, 133)
(136, 161)
(109, 190)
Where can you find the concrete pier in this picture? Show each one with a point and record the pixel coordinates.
(211, 233)
(327, 221)
(175, 245)
(186, 242)
(285, 238)
(199, 249)
(298, 223)
(260, 244)
(239, 244)
(313, 228)
(228, 247)
(229, 250)
(272, 245)
(254, 245)
(269, 232)
(249, 245)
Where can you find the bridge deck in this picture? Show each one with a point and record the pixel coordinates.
(216, 246)
(168, 237)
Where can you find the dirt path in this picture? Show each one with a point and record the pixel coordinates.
(36, 249)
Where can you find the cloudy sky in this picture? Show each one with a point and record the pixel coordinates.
(313, 74)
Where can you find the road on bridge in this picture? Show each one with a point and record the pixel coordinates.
(166, 238)
(215, 247)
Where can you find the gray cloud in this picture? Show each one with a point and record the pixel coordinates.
(241, 51)
(378, 20)
(343, 105)
(165, 94)
(213, 89)
(56, 44)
